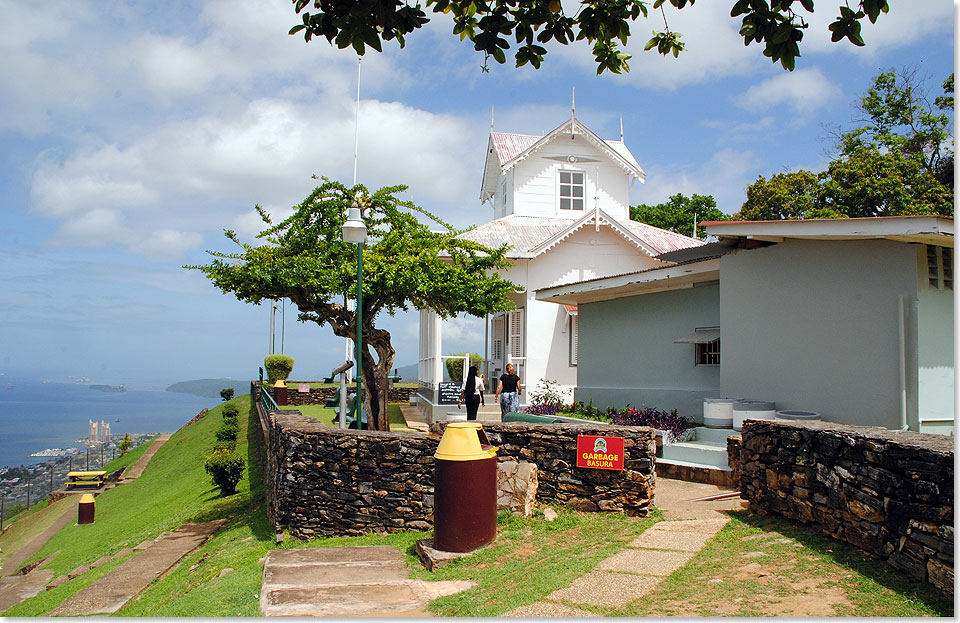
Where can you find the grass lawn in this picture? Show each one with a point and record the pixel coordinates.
(797, 572)
(768, 567)
(329, 417)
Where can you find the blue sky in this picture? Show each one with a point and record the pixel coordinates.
(132, 134)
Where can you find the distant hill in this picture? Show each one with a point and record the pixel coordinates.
(210, 388)
(408, 374)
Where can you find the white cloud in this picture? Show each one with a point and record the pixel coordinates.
(724, 177)
(197, 176)
(803, 91)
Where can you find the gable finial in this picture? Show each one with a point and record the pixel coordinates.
(621, 128)
(573, 103)
(491, 118)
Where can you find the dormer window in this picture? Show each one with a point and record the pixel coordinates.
(571, 190)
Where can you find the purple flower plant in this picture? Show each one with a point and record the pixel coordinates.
(649, 416)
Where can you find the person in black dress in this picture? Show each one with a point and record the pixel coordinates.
(472, 393)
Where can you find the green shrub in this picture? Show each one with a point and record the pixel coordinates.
(125, 444)
(228, 431)
(455, 366)
(226, 469)
(224, 446)
(226, 393)
(230, 410)
(278, 366)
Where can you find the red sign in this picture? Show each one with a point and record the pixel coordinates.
(599, 452)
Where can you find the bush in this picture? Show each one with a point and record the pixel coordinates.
(455, 366)
(224, 446)
(649, 416)
(228, 431)
(226, 393)
(278, 367)
(226, 469)
(125, 444)
(230, 410)
(547, 393)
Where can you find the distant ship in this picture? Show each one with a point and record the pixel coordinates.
(109, 388)
(54, 453)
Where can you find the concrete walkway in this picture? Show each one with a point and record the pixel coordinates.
(120, 585)
(637, 569)
(68, 512)
(370, 581)
(135, 470)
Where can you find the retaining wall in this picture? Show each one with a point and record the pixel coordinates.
(327, 481)
(889, 493)
(318, 395)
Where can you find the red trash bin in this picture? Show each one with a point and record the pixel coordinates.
(86, 509)
(465, 489)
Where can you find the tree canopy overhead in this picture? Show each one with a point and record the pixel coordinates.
(778, 25)
(404, 264)
(897, 161)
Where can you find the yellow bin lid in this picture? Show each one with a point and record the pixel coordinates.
(462, 442)
(86, 498)
(279, 383)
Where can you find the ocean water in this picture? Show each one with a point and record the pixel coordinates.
(35, 415)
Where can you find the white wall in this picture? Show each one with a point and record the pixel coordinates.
(535, 182)
(814, 325)
(935, 357)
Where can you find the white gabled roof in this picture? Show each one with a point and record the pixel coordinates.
(504, 151)
(531, 236)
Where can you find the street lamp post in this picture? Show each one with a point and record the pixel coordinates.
(355, 231)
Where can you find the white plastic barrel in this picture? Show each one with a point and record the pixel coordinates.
(807, 416)
(718, 412)
(753, 410)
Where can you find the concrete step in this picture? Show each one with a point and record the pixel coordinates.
(714, 435)
(706, 453)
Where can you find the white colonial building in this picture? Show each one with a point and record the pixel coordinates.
(561, 201)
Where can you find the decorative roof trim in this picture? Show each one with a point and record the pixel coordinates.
(595, 217)
(573, 126)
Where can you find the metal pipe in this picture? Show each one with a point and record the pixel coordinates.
(721, 496)
(902, 344)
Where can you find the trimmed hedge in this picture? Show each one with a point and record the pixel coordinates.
(278, 366)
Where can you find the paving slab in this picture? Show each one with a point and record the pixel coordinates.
(672, 540)
(694, 525)
(108, 594)
(13, 561)
(28, 586)
(548, 609)
(362, 581)
(605, 588)
(326, 574)
(646, 561)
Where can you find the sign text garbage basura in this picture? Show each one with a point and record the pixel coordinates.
(599, 452)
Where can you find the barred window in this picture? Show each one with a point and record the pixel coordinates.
(708, 353)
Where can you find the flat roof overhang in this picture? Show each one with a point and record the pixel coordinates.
(675, 277)
(934, 230)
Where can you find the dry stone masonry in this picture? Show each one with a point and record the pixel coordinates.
(553, 449)
(327, 481)
(889, 493)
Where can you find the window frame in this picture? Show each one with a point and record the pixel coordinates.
(571, 197)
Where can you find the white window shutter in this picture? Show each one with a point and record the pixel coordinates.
(516, 333)
(498, 338)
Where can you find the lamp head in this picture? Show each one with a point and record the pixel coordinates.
(354, 230)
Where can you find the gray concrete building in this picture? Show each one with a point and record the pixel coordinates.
(851, 318)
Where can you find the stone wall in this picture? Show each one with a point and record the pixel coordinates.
(889, 493)
(327, 481)
(553, 448)
(318, 395)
